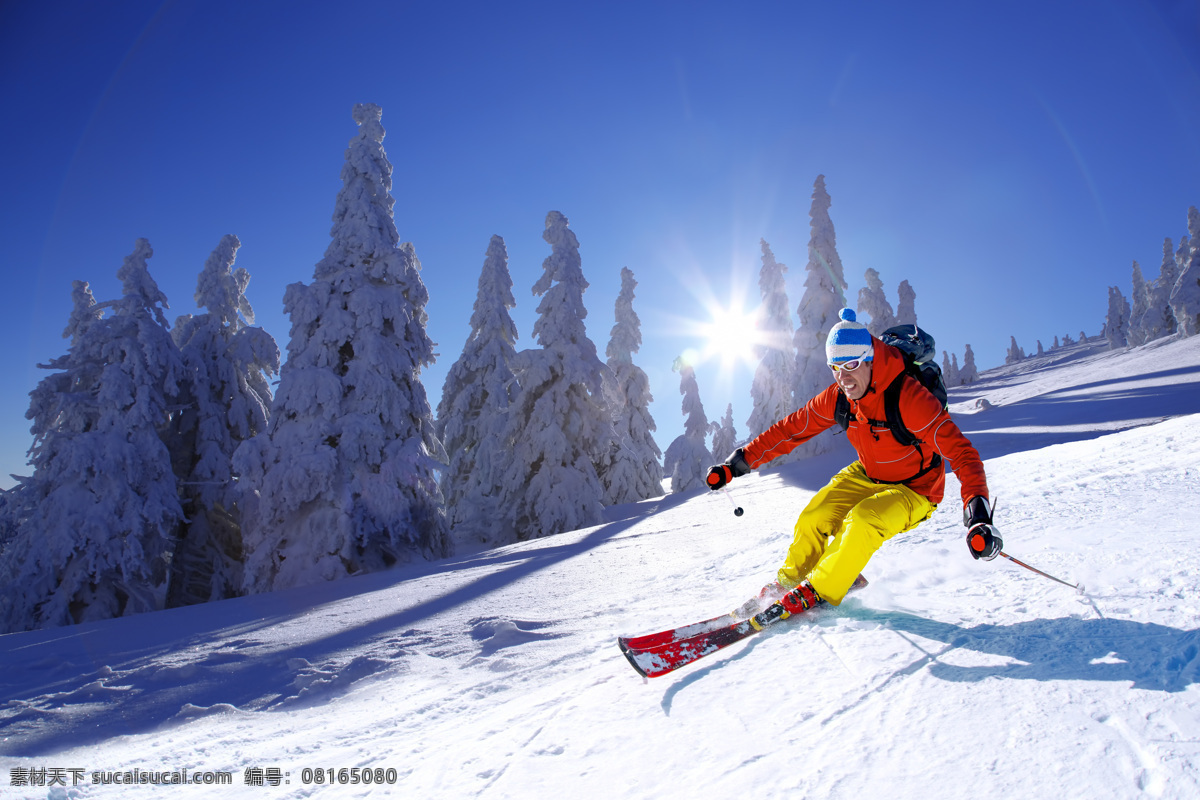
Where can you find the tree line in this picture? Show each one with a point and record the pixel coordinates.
(165, 471)
(1166, 306)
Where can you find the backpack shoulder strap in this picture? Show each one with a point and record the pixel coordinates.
(891, 406)
(904, 436)
(841, 411)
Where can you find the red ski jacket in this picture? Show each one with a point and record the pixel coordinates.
(885, 459)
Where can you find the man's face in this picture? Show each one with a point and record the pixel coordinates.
(854, 382)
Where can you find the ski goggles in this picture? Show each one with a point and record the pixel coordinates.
(849, 366)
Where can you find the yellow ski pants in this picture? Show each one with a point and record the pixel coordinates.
(842, 527)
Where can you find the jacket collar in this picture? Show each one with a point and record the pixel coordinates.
(885, 368)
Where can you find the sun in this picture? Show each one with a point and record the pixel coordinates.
(731, 335)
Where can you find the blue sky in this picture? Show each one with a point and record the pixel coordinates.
(1009, 160)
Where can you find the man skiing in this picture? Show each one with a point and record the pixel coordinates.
(890, 489)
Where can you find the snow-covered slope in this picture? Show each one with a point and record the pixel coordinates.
(497, 674)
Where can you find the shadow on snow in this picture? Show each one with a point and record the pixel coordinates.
(79, 686)
(1069, 416)
(1148, 655)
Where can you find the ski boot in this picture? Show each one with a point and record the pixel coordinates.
(767, 596)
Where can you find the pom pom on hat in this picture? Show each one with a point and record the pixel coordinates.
(849, 340)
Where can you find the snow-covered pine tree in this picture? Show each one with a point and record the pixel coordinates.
(949, 370)
(634, 472)
(343, 480)
(101, 509)
(687, 458)
(1056, 344)
(725, 437)
(1116, 324)
(906, 310)
(771, 393)
(1139, 304)
(1015, 353)
(1041, 351)
(560, 428)
(957, 373)
(1182, 255)
(11, 516)
(873, 301)
(1185, 297)
(824, 296)
(968, 373)
(1159, 319)
(71, 416)
(479, 389)
(1067, 340)
(227, 400)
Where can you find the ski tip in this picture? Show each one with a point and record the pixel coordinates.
(623, 643)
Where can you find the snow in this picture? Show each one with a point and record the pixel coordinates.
(496, 674)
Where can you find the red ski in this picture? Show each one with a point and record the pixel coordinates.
(659, 653)
(653, 640)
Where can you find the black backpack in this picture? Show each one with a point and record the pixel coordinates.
(918, 349)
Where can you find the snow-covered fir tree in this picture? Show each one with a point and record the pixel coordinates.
(1139, 304)
(634, 471)
(100, 513)
(950, 370)
(687, 458)
(226, 401)
(725, 438)
(1116, 324)
(1066, 340)
(1159, 319)
(10, 518)
(954, 370)
(1056, 344)
(1041, 350)
(343, 480)
(479, 389)
(906, 310)
(560, 429)
(771, 393)
(968, 373)
(824, 296)
(1185, 297)
(1015, 352)
(873, 301)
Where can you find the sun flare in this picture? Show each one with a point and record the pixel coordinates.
(731, 335)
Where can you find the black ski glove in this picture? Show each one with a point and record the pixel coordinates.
(734, 467)
(983, 539)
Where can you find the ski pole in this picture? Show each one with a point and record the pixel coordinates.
(737, 510)
(1020, 563)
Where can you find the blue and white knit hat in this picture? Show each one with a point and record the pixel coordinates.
(849, 340)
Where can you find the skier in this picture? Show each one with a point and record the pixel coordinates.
(890, 488)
